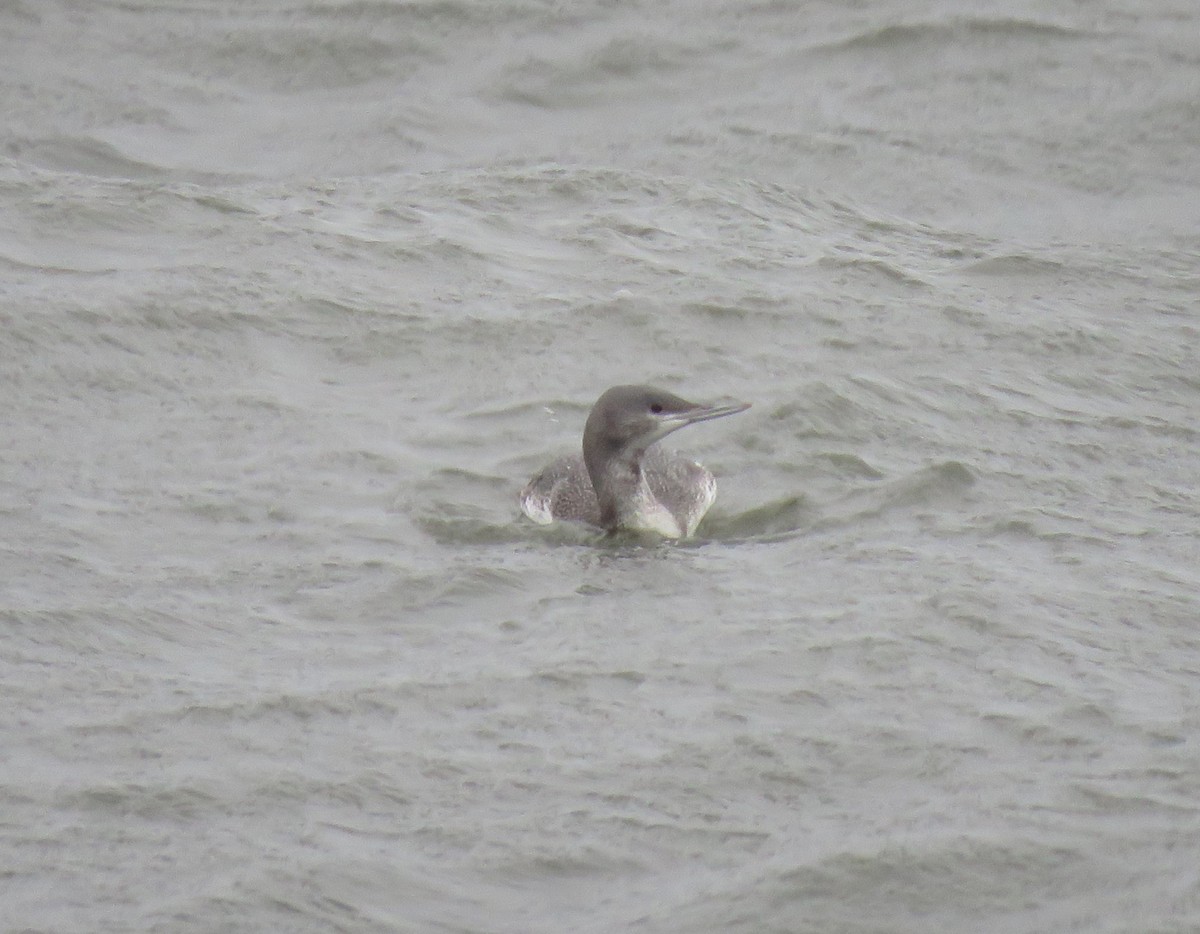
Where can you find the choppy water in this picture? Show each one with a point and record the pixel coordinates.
(296, 296)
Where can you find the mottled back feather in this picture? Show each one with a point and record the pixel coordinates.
(563, 490)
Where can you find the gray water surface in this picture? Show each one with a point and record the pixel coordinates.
(294, 300)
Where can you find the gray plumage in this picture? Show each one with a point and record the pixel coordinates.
(622, 480)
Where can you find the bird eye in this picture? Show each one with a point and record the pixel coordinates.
(655, 408)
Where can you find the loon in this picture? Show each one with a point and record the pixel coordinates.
(623, 480)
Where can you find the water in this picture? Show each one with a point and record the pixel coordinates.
(295, 297)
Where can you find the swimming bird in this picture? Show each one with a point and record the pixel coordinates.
(623, 480)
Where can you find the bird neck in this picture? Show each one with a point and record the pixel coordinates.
(625, 498)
